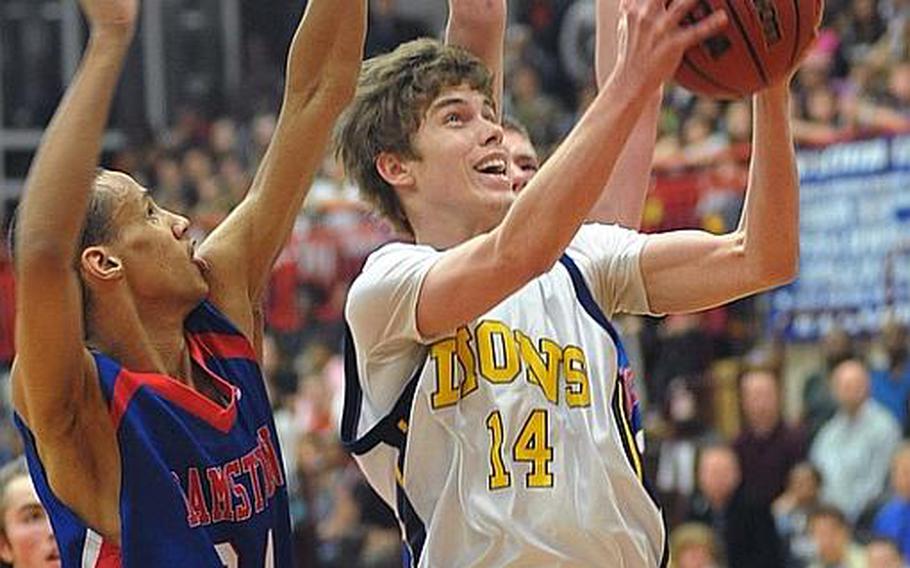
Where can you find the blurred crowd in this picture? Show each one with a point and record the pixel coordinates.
(746, 480)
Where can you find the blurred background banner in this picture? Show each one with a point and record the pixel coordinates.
(854, 240)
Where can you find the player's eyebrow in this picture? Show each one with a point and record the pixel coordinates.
(448, 101)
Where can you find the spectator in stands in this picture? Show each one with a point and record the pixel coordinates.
(891, 384)
(861, 28)
(818, 401)
(834, 546)
(26, 536)
(767, 448)
(692, 545)
(688, 430)
(853, 450)
(883, 553)
(538, 111)
(747, 531)
(791, 514)
(893, 518)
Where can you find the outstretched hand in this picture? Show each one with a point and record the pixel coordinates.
(652, 38)
(111, 16)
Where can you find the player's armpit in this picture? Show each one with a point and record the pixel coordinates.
(685, 271)
(78, 448)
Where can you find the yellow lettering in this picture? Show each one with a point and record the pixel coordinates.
(504, 370)
(443, 355)
(540, 372)
(578, 389)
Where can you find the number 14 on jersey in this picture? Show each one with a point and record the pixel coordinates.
(531, 445)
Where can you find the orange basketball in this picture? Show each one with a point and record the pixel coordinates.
(761, 43)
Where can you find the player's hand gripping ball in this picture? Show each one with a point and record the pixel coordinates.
(761, 44)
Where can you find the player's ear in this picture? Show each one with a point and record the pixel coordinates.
(394, 170)
(6, 551)
(99, 263)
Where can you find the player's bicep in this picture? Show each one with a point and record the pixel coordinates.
(51, 359)
(687, 271)
(466, 282)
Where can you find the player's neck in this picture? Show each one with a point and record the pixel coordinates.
(443, 232)
(144, 338)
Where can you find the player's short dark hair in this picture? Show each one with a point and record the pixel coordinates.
(97, 227)
(510, 123)
(393, 94)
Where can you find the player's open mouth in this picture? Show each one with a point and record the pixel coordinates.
(495, 166)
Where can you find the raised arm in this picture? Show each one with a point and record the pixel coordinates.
(52, 362)
(693, 270)
(531, 238)
(623, 198)
(480, 27)
(321, 76)
(54, 386)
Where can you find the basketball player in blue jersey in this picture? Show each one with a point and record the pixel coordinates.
(485, 385)
(137, 385)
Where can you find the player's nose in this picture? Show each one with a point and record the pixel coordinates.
(180, 226)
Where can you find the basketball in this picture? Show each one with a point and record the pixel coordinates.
(761, 43)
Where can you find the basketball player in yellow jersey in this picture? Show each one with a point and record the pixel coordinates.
(484, 383)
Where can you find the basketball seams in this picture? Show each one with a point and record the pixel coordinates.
(734, 14)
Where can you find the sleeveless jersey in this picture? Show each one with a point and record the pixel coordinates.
(516, 441)
(202, 484)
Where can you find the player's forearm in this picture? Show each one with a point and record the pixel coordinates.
(325, 54)
(60, 179)
(322, 70)
(549, 211)
(623, 198)
(770, 220)
(479, 26)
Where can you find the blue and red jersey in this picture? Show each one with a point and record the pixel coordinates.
(202, 484)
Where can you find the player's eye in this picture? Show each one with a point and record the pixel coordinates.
(452, 118)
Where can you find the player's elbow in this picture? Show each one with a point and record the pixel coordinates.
(777, 268)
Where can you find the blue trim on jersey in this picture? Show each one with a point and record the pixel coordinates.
(392, 429)
(353, 394)
(591, 306)
(386, 430)
(593, 309)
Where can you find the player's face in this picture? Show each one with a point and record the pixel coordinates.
(154, 245)
(28, 541)
(523, 160)
(463, 167)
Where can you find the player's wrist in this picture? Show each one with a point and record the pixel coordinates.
(112, 37)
